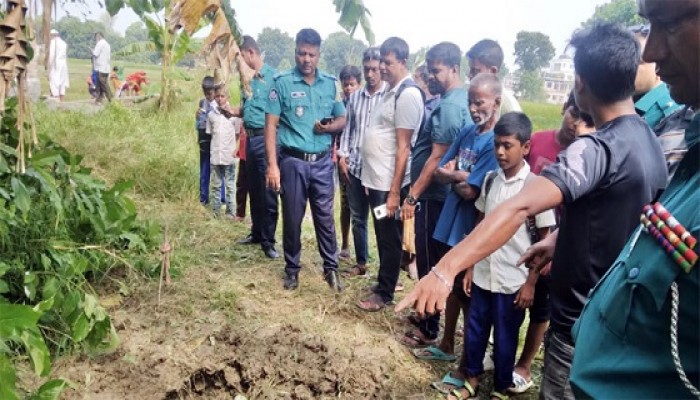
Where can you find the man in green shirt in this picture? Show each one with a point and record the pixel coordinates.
(263, 201)
(637, 336)
(440, 130)
(652, 100)
(303, 111)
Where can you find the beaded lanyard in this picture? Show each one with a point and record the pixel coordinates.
(679, 244)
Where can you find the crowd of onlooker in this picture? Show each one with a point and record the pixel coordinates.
(501, 222)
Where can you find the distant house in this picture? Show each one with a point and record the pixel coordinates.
(559, 79)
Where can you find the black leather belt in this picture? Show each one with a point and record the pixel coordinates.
(255, 131)
(311, 157)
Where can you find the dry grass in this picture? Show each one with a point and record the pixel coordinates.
(218, 287)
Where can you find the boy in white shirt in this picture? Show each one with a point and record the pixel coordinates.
(223, 128)
(500, 290)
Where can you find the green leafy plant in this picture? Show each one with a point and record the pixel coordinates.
(60, 229)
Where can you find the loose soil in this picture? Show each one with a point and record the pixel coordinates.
(225, 329)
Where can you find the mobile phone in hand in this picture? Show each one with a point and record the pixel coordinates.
(326, 120)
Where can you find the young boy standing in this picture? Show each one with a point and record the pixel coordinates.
(500, 289)
(204, 140)
(223, 128)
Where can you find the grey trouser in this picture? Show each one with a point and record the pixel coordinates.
(558, 355)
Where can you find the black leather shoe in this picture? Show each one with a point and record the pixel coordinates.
(248, 240)
(270, 252)
(291, 281)
(333, 280)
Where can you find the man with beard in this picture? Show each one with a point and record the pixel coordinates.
(440, 130)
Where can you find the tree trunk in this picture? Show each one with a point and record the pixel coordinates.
(47, 7)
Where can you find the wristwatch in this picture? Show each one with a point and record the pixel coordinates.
(411, 201)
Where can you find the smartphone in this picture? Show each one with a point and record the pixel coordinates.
(380, 211)
(326, 120)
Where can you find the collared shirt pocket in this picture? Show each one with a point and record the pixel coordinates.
(300, 107)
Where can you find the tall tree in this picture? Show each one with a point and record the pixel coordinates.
(531, 86)
(339, 49)
(533, 50)
(80, 36)
(623, 12)
(277, 46)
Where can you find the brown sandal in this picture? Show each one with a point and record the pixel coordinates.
(355, 270)
(373, 303)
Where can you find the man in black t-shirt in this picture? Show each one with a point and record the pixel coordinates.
(604, 179)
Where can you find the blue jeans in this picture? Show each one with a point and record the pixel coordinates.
(223, 175)
(205, 172)
(493, 309)
(358, 202)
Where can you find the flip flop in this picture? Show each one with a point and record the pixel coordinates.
(448, 379)
(410, 339)
(520, 384)
(499, 396)
(471, 392)
(434, 353)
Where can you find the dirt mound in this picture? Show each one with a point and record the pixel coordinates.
(281, 362)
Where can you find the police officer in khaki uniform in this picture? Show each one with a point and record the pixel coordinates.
(303, 111)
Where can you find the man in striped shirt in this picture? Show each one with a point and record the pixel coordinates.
(359, 106)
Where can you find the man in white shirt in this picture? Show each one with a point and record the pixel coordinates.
(58, 66)
(394, 124)
(101, 56)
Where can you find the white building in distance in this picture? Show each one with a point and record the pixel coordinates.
(559, 79)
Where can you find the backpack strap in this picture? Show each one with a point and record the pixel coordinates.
(407, 83)
(530, 223)
(488, 182)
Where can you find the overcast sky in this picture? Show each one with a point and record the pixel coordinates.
(420, 23)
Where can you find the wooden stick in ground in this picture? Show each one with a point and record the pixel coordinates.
(165, 250)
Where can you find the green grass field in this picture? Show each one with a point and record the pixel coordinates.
(219, 287)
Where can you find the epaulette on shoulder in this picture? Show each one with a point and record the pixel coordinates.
(328, 76)
(281, 74)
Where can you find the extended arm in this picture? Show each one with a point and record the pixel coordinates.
(493, 232)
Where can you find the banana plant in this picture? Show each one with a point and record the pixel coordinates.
(172, 46)
(221, 46)
(354, 13)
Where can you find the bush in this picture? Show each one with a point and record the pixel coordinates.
(59, 228)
